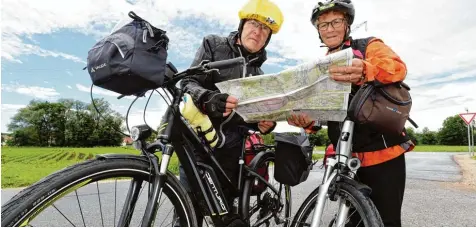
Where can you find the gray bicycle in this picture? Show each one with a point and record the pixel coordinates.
(347, 201)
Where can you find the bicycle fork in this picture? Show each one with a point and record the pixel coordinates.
(344, 151)
(159, 180)
(157, 184)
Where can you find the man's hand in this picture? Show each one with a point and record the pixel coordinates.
(301, 120)
(265, 126)
(219, 104)
(353, 74)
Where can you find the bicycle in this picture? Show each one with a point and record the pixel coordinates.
(175, 136)
(338, 185)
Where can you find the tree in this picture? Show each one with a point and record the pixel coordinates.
(429, 137)
(268, 139)
(453, 132)
(66, 123)
(44, 120)
(415, 137)
(320, 138)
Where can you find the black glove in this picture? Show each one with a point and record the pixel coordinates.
(214, 104)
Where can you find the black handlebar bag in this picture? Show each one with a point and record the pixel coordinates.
(293, 159)
(131, 60)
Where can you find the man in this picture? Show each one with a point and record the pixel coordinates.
(259, 19)
(382, 155)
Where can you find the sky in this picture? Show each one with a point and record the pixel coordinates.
(45, 43)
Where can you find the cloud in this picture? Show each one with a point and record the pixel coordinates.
(69, 87)
(13, 46)
(277, 61)
(104, 92)
(33, 91)
(429, 45)
(432, 105)
(8, 111)
(11, 107)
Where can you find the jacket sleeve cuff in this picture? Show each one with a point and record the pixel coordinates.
(370, 71)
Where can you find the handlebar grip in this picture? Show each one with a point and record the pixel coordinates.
(224, 64)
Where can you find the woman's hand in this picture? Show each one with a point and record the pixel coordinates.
(301, 120)
(353, 73)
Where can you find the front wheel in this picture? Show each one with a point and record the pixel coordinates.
(362, 210)
(91, 194)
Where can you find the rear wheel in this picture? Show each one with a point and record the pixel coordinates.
(90, 194)
(267, 208)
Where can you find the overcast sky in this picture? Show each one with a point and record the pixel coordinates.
(45, 45)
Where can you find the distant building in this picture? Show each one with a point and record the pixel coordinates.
(5, 138)
(126, 141)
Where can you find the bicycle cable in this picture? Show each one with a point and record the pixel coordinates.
(100, 115)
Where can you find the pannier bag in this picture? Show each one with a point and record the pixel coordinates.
(383, 107)
(253, 145)
(131, 60)
(293, 160)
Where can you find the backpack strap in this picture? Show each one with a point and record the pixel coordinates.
(359, 46)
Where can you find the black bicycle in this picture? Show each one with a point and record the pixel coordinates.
(69, 191)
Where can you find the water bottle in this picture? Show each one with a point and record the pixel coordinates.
(199, 121)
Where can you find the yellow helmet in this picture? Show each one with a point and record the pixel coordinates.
(263, 11)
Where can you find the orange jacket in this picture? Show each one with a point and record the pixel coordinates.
(383, 64)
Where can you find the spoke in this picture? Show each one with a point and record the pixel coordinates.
(166, 217)
(142, 188)
(80, 210)
(63, 215)
(115, 201)
(100, 205)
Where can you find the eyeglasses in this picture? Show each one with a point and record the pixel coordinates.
(257, 24)
(336, 23)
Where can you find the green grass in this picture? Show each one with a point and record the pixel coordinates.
(440, 148)
(23, 166)
(426, 148)
(319, 148)
(317, 156)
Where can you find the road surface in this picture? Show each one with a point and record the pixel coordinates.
(429, 200)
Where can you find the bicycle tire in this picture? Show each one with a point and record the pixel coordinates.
(33, 199)
(247, 193)
(360, 201)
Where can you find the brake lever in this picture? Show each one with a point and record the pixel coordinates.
(211, 70)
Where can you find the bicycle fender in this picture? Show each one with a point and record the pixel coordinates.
(122, 156)
(359, 186)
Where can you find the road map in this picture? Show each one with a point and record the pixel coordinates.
(304, 88)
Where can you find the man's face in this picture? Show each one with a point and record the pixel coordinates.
(332, 27)
(254, 35)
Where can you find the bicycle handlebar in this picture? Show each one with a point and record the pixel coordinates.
(224, 64)
(206, 67)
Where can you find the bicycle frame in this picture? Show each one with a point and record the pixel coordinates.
(176, 135)
(333, 167)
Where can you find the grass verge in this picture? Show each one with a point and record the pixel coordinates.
(23, 166)
(426, 148)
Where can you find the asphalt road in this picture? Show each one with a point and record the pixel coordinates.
(429, 200)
